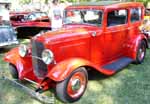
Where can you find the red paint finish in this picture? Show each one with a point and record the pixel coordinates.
(23, 65)
(83, 45)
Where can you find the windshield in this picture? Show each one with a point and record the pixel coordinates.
(36, 15)
(93, 17)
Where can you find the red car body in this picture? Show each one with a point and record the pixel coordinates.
(105, 48)
(30, 23)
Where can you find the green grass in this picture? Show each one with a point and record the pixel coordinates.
(129, 86)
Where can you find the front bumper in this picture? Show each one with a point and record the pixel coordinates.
(33, 93)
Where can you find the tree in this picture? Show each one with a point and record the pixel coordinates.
(25, 1)
(145, 2)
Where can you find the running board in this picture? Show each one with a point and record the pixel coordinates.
(118, 64)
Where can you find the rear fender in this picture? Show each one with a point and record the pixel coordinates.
(63, 69)
(136, 43)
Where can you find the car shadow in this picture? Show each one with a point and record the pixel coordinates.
(6, 49)
(95, 75)
(3, 50)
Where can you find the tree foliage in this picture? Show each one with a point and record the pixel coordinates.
(145, 2)
(24, 1)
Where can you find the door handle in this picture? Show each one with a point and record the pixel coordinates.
(94, 34)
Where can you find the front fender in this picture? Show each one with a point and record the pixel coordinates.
(23, 65)
(12, 56)
(63, 69)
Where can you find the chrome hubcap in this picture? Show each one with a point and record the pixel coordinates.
(76, 84)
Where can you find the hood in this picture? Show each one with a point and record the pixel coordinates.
(68, 32)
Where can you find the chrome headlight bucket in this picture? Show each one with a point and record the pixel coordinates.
(23, 50)
(47, 56)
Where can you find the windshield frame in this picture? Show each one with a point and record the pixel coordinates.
(98, 10)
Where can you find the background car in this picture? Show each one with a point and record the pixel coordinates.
(147, 13)
(7, 32)
(7, 36)
(28, 24)
(145, 27)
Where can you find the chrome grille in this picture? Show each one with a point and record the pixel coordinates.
(40, 68)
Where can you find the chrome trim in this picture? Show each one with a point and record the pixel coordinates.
(31, 81)
(37, 57)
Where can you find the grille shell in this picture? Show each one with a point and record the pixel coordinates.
(40, 68)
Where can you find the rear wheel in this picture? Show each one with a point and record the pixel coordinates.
(13, 71)
(148, 43)
(72, 88)
(141, 52)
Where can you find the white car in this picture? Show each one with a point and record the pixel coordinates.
(7, 36)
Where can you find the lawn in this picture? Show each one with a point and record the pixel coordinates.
(129, 86)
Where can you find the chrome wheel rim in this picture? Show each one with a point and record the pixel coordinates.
(76, 85)
(141, 53)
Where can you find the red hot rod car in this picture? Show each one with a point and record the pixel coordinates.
(30, 23)
(102, 36)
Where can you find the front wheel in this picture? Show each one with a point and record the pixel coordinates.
(13, 71)
(141, 52)
(72, 88)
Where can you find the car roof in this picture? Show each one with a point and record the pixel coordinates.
(105, 4)
(99, 3)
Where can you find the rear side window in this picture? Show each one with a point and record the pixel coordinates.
(136, 14)
(117, 17)
(147, 12)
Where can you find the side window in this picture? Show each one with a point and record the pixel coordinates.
(31, 17)
(147, 12)
(135, 14)
(117, 17)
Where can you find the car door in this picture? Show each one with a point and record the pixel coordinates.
(115, 33)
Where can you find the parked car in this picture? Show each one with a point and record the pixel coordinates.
(7, 36)
(101, 36)
(7, 33)
(28, 24)
(145, 27)
(147, 13)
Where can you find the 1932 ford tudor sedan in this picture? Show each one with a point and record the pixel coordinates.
(102, 36)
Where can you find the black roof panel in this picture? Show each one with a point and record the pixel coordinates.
(99, 3)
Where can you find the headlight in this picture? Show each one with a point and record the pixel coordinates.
(23, 50)
(47, 56)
